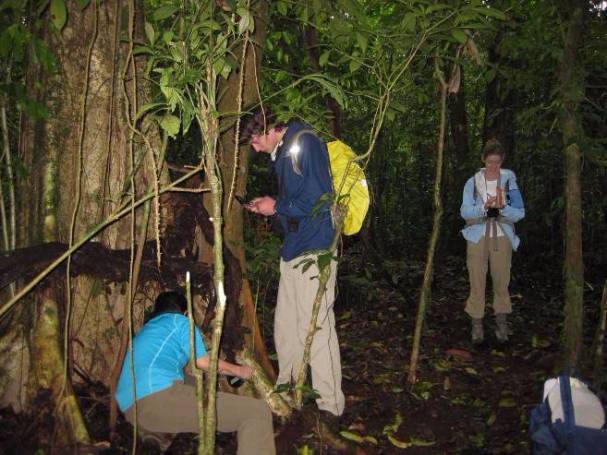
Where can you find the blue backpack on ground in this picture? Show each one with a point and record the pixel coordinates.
(570, 420)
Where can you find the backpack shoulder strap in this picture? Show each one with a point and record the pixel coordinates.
(292, 142)
(475, 189)
(567, 402)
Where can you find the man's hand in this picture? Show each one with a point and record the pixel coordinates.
(264, 205)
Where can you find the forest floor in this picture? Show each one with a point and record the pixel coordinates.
(466, 400)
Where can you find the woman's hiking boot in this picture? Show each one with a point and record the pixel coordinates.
(477, 333)
(501, 327)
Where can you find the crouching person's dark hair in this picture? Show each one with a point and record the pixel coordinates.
(169, 302)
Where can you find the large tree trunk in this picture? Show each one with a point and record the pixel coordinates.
(79, 167)
(571, 89)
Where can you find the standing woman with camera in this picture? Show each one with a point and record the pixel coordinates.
(491, 204)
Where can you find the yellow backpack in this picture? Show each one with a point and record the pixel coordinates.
(349, 179)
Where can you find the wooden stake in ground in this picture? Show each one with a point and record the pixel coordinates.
(424, 296)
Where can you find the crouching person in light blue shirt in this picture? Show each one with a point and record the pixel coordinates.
(491, 204)
(165, 404)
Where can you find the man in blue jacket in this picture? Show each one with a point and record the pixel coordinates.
(301, 164)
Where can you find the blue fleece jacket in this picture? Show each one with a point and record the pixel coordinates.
(303, 176)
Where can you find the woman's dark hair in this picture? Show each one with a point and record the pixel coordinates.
(169, 302)
(259, 121)
(493, 147)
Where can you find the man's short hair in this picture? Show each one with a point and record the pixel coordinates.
(259, 121)
(169, 302)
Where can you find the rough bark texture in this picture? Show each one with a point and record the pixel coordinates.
(571, 90)
(86, 136)
(47, 357)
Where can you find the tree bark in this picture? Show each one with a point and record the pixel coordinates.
(571, 90)
(79, 171)
(234, 164)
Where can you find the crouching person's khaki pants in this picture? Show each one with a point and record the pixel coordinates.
(173, 410)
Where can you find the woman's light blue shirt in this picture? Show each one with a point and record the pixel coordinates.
(473, 208)
(160, 351)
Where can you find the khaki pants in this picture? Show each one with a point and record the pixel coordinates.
(479, 255)
(296, 294)
(173, 410)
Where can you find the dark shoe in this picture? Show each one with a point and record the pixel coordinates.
(330, 420)
(477, 333)
(155, 443)
(501, 327)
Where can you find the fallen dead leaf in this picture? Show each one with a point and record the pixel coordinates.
(459, 353)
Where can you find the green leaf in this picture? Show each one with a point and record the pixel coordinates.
(167, 36)
(491, 12)
(330, 86)
(282, 8)
(139, 50)
(436, 7)
(284, 387)
(408, 23)
(490, 74)
(82, 4)
(492, 418)
(43, 55)
(324, 260)
(324, 58)
(537, 342)
(164, 11)
(394, 426)
(149, 32)
(148, 107)
(459, 35)
(354, 65)
(176, 53)
(305, 450)
(362, 41)
(246, 22)
(308, 392)
(58, 14)
(398, 443)
(351, 436)
(170, 124)
(507, 403)
(418, 442)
